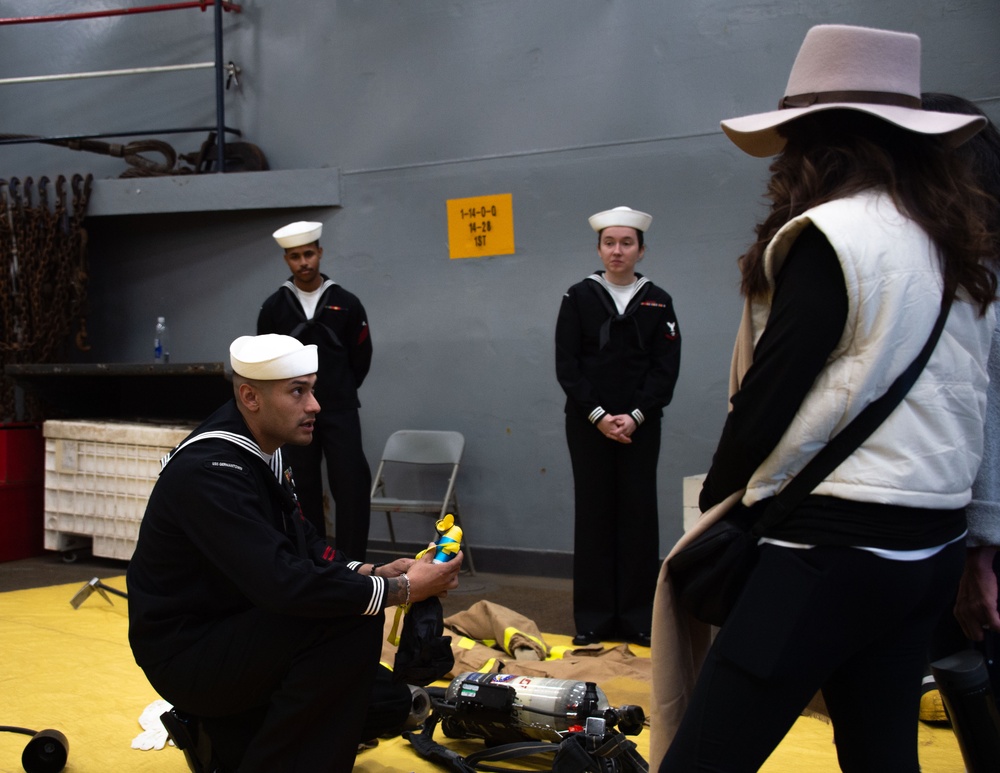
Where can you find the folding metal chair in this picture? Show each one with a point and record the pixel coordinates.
(424, 463)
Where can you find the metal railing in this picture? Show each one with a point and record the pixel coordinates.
(223, 71)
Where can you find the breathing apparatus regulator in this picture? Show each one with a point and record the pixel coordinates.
(519, 716)
(46, 752)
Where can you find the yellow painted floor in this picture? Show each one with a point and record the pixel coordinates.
(72, 670)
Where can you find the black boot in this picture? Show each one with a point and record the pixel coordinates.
(190, 737)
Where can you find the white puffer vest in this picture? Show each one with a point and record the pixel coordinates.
(927, 452)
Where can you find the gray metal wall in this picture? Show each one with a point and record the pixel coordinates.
(571, 106)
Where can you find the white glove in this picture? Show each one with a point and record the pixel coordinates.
(154, 734)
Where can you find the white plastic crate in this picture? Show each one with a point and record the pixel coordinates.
(98, 476)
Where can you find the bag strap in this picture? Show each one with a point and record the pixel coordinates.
(845, 442)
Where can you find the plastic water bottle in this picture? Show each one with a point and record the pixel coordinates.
(161, 342)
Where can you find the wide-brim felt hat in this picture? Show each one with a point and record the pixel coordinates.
(624, 216)
(272, 357)
(298, 233)
(841, 67)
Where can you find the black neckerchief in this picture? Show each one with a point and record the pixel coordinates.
(313, 322)
(612, 309)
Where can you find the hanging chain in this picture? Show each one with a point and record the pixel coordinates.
(43, 272)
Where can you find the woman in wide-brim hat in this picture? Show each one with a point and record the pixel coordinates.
(873, 217)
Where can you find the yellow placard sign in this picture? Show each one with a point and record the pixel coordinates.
(482, 225)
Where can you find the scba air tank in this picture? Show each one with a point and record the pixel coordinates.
(542, 709)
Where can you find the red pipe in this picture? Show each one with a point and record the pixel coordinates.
(202, 4)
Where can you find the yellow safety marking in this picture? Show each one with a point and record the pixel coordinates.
(393, 637)
(509, 634)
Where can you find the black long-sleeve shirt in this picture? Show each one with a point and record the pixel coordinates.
(806, 321)
(221, 535)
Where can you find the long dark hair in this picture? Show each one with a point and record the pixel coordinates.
(983, 150)
(833, 154)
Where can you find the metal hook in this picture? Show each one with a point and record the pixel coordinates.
(233, 71)
(43, 191)
(14, 188)
(29, 197)
(61, 191)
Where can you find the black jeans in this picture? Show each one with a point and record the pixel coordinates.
(841, 619)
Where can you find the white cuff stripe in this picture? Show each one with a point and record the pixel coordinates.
(378, 596)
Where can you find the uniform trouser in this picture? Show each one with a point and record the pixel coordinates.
(836, 618)
(616, 537)
(285, 694)
(337, 437)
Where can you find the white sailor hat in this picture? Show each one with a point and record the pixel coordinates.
(626, 216)
(272, 357)
(298, 233)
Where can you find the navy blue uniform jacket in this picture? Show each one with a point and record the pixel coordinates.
(219, 537)
(339, 328)
(619, 362)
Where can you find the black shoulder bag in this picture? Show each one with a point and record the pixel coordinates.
(709, 574)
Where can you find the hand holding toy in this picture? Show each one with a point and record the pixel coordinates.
(449, 541)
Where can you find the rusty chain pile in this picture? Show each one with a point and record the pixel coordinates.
(43, 274)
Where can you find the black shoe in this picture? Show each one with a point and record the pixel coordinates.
(642, 639)
(585, 638)
(190, 737)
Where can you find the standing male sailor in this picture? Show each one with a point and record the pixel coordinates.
(316, 310)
